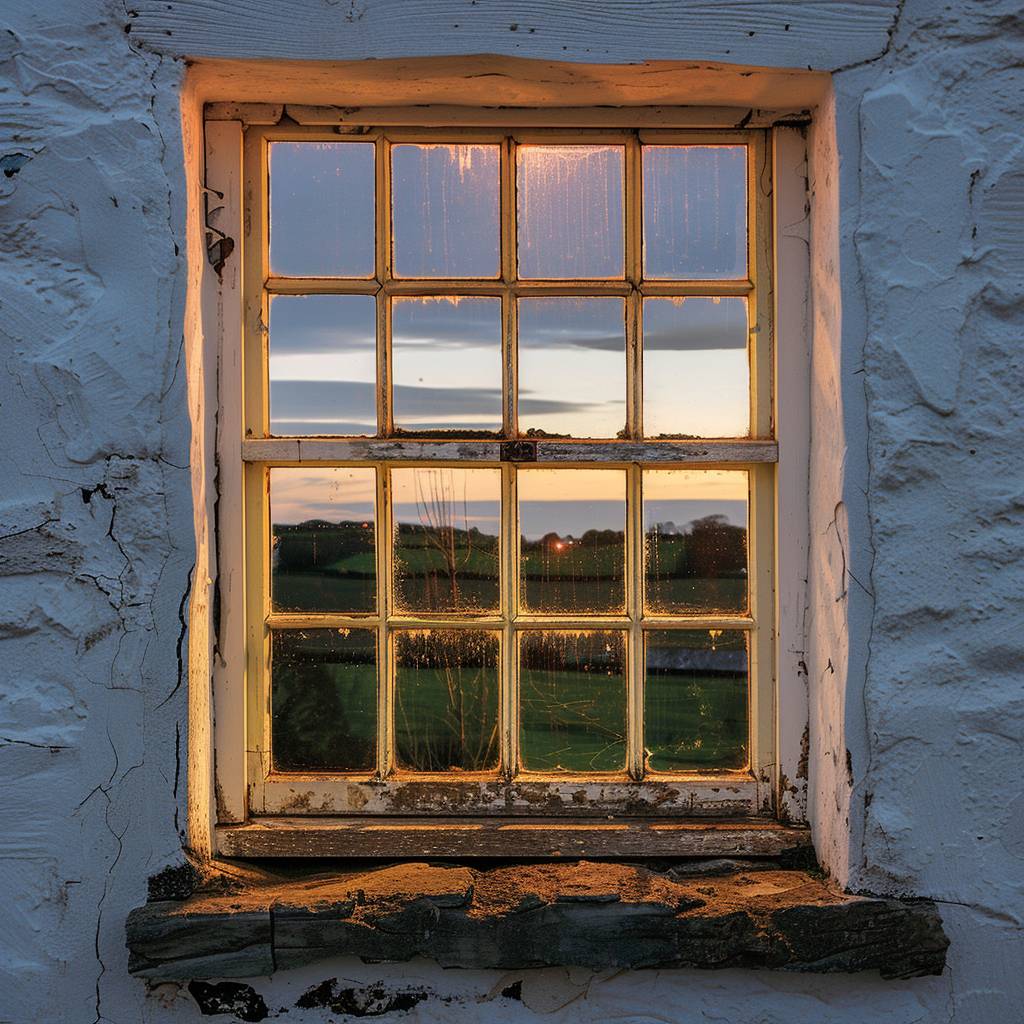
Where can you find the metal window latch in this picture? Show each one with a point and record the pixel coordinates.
(519, 451)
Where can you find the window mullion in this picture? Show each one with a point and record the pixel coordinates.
(509, 600)
(635, 657)
(385, 670)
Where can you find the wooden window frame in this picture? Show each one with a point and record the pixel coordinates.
(240, 153)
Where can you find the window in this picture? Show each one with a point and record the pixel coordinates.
(508, 472)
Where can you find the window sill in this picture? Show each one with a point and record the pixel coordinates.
(392, 838)
(246, 923)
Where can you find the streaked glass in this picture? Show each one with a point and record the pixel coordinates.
(323, 365)
(695, 541)
(444, 208)
(322, 555)
(696, 368)
(572, 367)
(323, 699)
(446, 363)
(572, 697)
(695, 212)
(695, 700)
(446, 528)
(572, 549)
(570, 211)
(322, 217)
(446, 700)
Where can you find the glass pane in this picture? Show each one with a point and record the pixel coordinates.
(324, 699)
(572, 547)
(446, 700)
(695, 540)
(696, 369)
(695, 212)
(444, 207)
(322, 209)
(572, 367)
(446, 363)
(569, 217)
(695, 700)
(322, 532)
(446, 539)
(323, 365)
(572, 694)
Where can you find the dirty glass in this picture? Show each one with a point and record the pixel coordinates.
(570, 211)
(323, 365)
(695, 700)
(446, 363)
(446, 524)
(695, 212)
(572, 696)
(322, 556)
(695, 540)
(696, 368)
(572, 367)
(446, 700)
(572, 549)
(323, 699)
(322, 218)
(444, 208)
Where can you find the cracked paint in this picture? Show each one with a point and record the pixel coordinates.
(914, 622)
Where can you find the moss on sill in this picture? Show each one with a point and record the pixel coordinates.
(243, 923)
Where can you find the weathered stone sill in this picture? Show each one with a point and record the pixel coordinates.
(583, 914)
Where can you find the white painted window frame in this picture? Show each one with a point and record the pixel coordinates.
(778, 789)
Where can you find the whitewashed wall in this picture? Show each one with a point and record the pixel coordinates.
(916, 633)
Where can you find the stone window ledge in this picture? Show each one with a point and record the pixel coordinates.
(716, 914)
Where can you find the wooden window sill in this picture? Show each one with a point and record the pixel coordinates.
(391, 838)
(242, 922)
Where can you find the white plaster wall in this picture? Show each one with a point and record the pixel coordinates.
(916, 633)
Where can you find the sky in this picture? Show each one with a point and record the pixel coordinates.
(564, 501)
(446, 352)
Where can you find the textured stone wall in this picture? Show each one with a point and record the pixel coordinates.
(915, 619)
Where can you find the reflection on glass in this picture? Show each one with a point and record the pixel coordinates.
(323, 364)
(572, 695)
(446, 700)
(446, 538)
(695, 540)
(696, 369)
(569, 218)
(572, 367)
(445, 210)
(446, 363)
(322, 209)
(695, 212)
(322, 540)
(572, 546)
(695, 700)
(323, 699)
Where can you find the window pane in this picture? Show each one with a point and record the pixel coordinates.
(572, 693)
(695, 212)
(445, 210)
(324, 699)
(696, 369)
(446, 539)
(695, 700)
(695, 540)
(323, 364)
(446, 700)
(570, 222)
(322, 540)
(572, 547)
(322, 209)
(572, 367)
(446, 363)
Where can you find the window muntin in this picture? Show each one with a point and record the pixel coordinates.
(506, 603)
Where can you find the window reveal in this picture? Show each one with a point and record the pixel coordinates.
(421, 607)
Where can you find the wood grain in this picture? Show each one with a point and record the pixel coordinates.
(822, 34)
